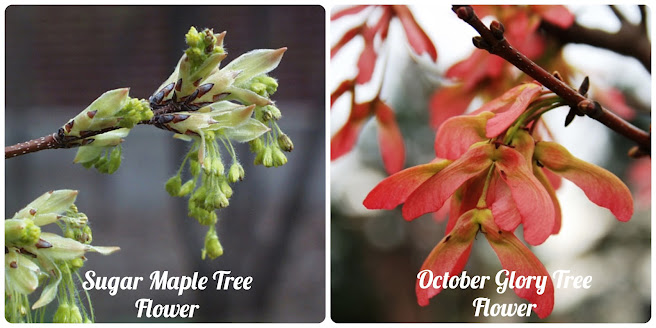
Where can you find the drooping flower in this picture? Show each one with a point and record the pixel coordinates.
(389, 135)
(213, 106)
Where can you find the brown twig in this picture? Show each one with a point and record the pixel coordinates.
(56, 140)
(631, 39)
(493, 40)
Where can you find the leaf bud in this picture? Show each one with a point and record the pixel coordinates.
(285, 143)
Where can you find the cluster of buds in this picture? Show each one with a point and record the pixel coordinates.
(496, 170)
(212, 106)
(100, 128)
(34, 258)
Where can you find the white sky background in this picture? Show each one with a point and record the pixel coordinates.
(585, 138)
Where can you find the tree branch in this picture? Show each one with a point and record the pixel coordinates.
(493, 40)
(56, 140)
(631, 40)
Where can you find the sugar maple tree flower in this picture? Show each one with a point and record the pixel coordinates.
(496, 170)
(389, 135)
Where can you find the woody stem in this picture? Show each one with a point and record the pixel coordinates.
(496, 44)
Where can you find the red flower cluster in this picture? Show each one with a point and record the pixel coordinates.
(390, 139)
(494, 171)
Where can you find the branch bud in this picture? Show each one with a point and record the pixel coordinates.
(497, 30)
(464, 12)
(480, 43)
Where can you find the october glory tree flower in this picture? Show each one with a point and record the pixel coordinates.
(495, 175)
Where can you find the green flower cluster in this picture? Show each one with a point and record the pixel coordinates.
(215, 107)
(34, 258)
(113, 111)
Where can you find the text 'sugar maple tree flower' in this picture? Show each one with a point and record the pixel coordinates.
(390, 139)
(494, 169)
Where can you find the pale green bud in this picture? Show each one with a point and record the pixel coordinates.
(63, 314)
(285, 143)
(173, 185)
(213, 247)
(256, 145)
(75, 316)
(135, 111)
(275, 112)
(219, 200)
(86, 236)
(76, 263)
(266, 114)
(269, 84)
(217, 166)
(21, 232)
(193, 38)
(187, 188)
(279, 158)
(69, 233)
(225, 188)
(267, 157)
(236, 173)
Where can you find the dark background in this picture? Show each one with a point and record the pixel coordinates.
(60, 58)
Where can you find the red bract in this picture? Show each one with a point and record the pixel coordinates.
(600, 186)
(451, 254)
(389, 135)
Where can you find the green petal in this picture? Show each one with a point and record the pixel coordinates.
(254, 63)
(247, 131)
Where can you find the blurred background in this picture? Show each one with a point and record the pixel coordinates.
(60, 58)
(375, 255)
